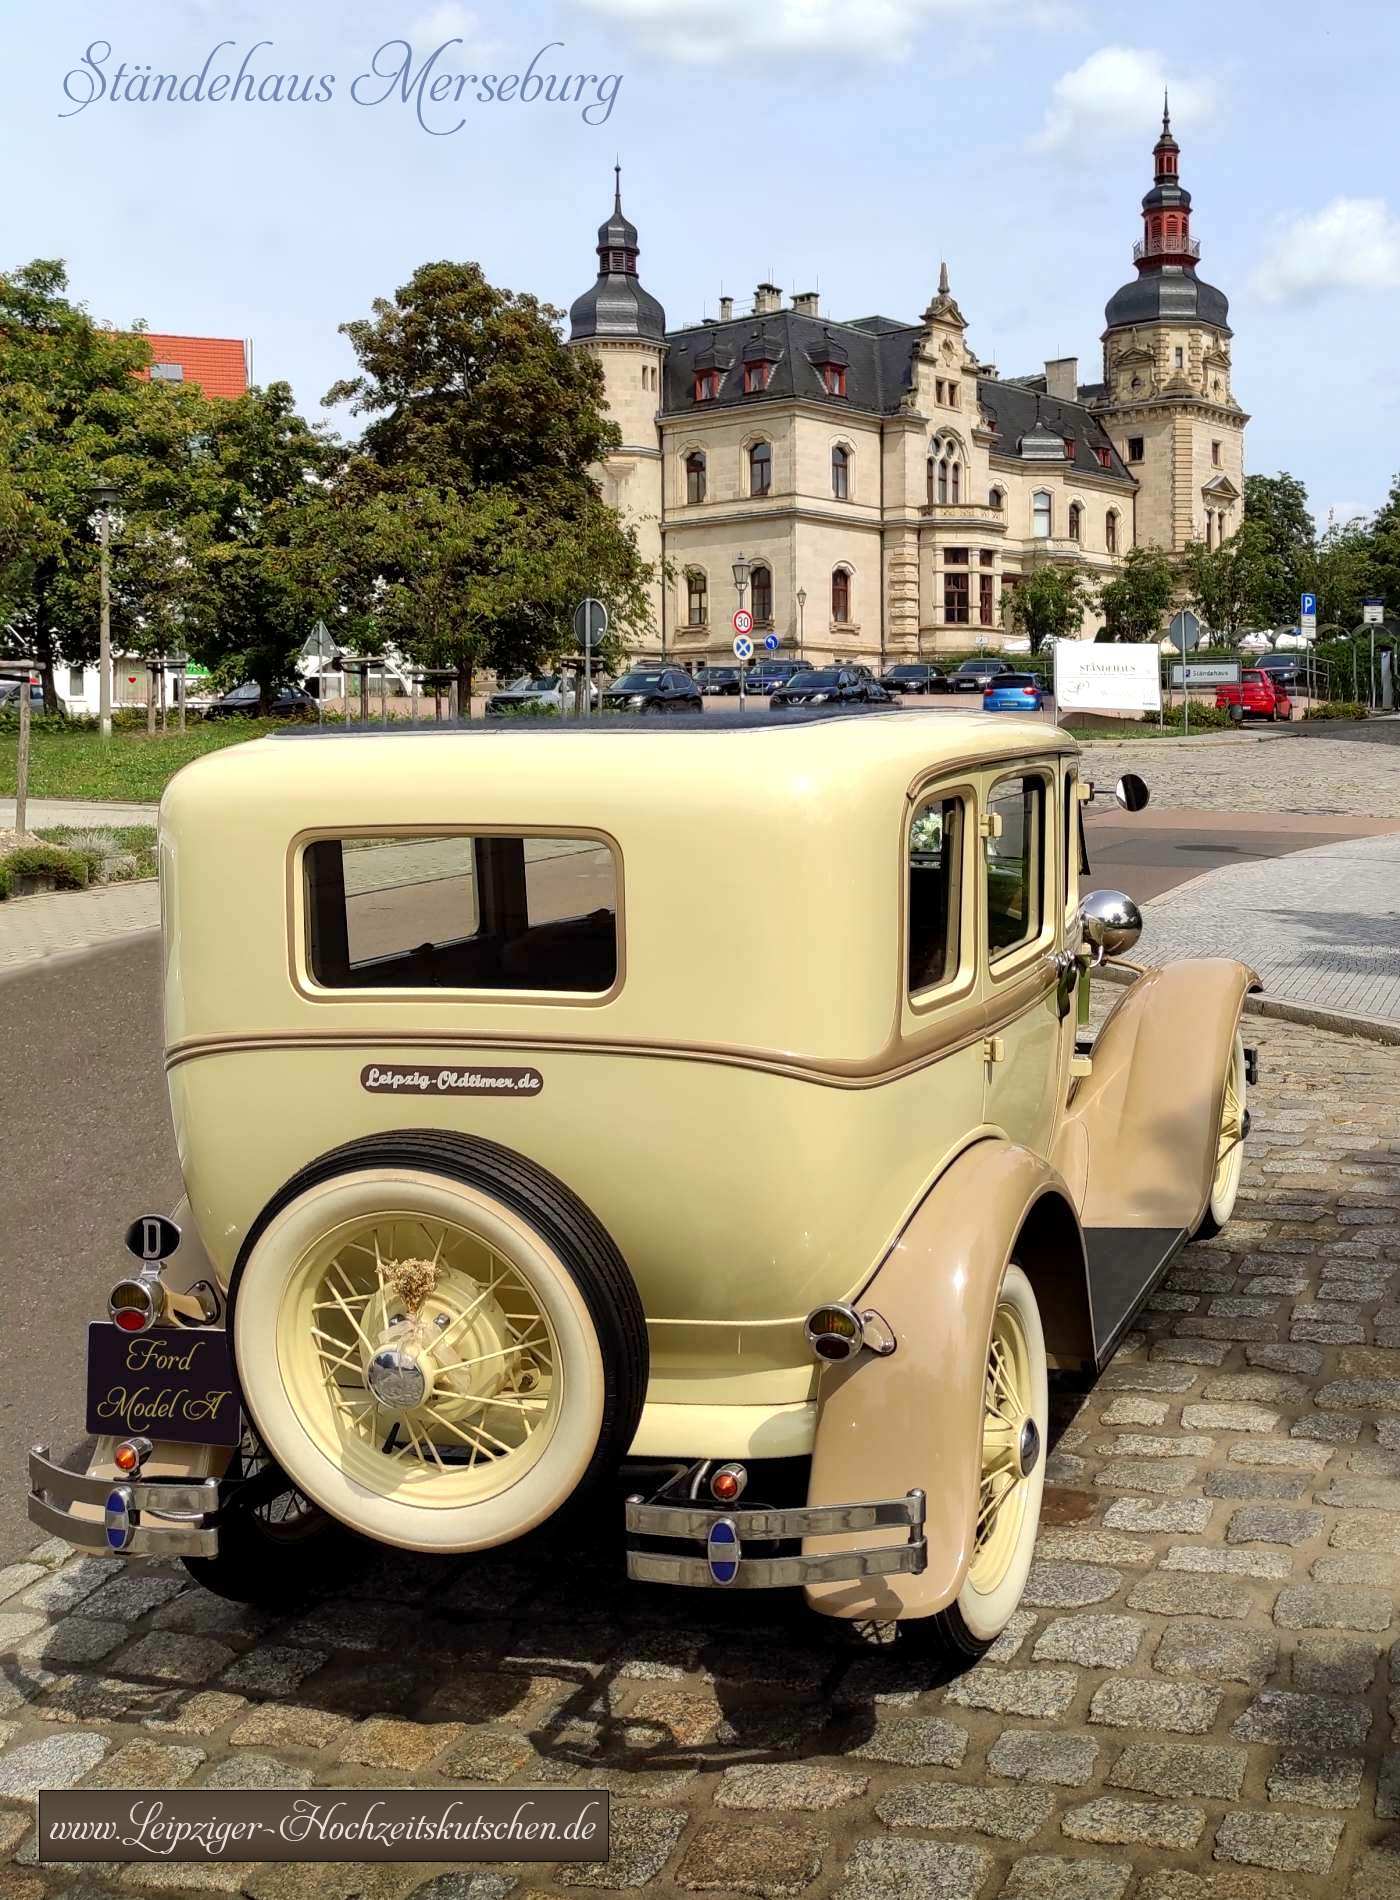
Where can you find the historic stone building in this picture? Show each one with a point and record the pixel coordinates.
(886, 486)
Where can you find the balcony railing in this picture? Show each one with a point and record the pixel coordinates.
(978, 511)
(1167, 247)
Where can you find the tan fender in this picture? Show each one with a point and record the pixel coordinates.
(913, 1420)
(1150, 1110)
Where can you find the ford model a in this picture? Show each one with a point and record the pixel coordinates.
(458, 1026)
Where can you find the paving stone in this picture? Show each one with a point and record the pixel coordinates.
(1329, 1428)
(1293, 1454)
(1207, 1769)
(1354, 1566)
(1279, 1841)
(1062, 1469)
(1148, 1445)
(1189, 1596)
(1367, 1530)
(1318, 1781)
(133, 1595)
(1388, 1787)
(1054, 1877)
(494, 1755)
(1030, 1692)
(461, 1885)
(1190, 1649)
(385, 1742)
(1210, 1560)
(1085, 1543)
(1311, 1606)
(1349, 1493)
(58, 1592)
(1168, 1302)
(1294, 1720)
(755, 1857)
(1291, 1358)
(1150, 1378)
(1137, 1514)
(1096, 1642)
(1142, 1823)
(1257, 1388)
(1321, 1324)
(1188, 1708)
(172, 1658)
(1008, 1644)
(58, 1761)
(1328, 1664)
(1192, 1352)
(1066, 1761)
(73, 1639)
(1147, 1474)
(1282, 1485)
(275, 1725)
(1215, 1326)
(273, 1669)
(1201, 1279)
(1229, 1418)
(17, 1577)
(1371, 1461)
(1259, 1524)
(199, 1714)
(258, 1771)
(1054, 1586)
(789, 1785)
(1134, 1411)
(642, 1841)
(915, 1742)
(143, 1764)
(1362, 1395)
(101, 1699)
(913, 1870)
(1008, 1814)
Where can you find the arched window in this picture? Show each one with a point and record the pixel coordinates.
(761, 581)
(943, 479)
(1076, 519)
(929, 467)
(841, 596)
(1040, 514)
(697, 598)
(760, 468)
(1110, 531)
(957, 481)
(695, 476)
(841, 472)
(996, 499)
(1210, 529)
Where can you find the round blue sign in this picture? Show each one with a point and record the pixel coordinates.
(770, 640)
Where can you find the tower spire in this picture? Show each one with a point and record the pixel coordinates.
(617, 187)
(1166, 114)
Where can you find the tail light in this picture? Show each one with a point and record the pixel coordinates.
(136, 1305)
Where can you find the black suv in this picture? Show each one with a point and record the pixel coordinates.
(718, 680)
(914, 679)
(654, 689)
(973, 676)
(829, 685)
(766, 676)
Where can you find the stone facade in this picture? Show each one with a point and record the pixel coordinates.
(888, 488)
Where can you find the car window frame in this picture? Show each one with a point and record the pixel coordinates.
(961, 982)
(1013, 962)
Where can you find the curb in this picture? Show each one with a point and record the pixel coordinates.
(1203, 739)
(1309, 1015)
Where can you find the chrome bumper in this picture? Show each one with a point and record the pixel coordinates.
(724, 1534)
(167, 1517)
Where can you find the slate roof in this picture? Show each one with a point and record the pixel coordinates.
(1171, 294)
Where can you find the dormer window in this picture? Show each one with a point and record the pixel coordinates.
(757, 377)
(1105, 456)
(707, 385)
(834, 378)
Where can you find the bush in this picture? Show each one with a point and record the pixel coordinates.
(1204, 717)
(69, 869)
(1337, 709)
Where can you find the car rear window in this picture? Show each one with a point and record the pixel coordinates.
(462, 911)
(935, 883)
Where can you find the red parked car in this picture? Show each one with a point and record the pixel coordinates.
(1261, 695)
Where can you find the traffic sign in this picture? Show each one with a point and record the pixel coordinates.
(742, 621)
(1373, 613)
(743, 646)
(770, 640)
(1185, 630)
(590, 624)
(1308, 610)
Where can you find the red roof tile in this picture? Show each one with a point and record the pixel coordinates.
(217, 364)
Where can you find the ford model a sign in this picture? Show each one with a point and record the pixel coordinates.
(170, 1382)
(1092, 676)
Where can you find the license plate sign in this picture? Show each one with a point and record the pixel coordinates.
(168, 1383)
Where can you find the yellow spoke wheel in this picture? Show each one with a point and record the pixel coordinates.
(1229, 1146)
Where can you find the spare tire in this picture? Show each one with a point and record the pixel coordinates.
(436, 1340)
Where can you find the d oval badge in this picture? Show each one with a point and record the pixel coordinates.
(723, 1550)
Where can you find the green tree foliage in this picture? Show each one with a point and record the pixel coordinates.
(1048, 605)
(1134, 603)
(1343, 571)
(1277, 507)
(1226, 585)
(1385, 551)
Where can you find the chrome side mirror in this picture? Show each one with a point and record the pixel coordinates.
(1111, 922)
(1131, 792)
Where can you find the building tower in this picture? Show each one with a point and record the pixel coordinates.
(624, 328)
(1166, 369)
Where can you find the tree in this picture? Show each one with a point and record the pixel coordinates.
(1344, 571)
(1225, 585)
(1048, 605)
(1277, 507)
(1385, 550)
(1135, 602)
(473, 489)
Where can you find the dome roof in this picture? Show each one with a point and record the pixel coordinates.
(617, 306)
(1171, 294)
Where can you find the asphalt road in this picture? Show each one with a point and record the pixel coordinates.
(1150, 852)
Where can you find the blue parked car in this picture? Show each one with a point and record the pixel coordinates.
(1013, 692)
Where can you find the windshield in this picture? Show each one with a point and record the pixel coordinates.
(637, 682)
(908, 672)
(1016, 679)
(822, 676)
(979, 666)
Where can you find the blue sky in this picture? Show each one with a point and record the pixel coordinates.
(842, 147)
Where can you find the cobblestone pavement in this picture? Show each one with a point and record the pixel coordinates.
(64, 921)
(1195, 1702)
(1282, 772)
(1320, 927)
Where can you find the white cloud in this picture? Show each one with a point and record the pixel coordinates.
(1351, 244)
(449, 21)
(1117, 93)
(703, 32)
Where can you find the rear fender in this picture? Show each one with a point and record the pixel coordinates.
(1148, 1114)
(913, 1420)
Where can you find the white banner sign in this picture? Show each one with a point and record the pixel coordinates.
(1208, 673)
(1095, 677)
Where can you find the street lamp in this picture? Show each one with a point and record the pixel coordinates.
(741, 571)
(801, 621)
(105, 497)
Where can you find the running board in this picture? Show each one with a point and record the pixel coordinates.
(1125, 1265)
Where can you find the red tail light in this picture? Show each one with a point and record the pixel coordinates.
(135, 1305)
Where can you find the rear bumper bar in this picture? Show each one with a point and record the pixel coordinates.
(160, 1517)
(724, 1535)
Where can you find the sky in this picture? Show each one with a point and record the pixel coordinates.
(840, 147)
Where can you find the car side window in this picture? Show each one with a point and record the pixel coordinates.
(935, 891)
(1014, 864)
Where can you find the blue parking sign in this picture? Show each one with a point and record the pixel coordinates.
(1309, 608)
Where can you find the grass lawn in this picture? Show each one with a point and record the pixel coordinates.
(129, 766)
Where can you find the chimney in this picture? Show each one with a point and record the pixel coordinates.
(766, 299)
(1062, 378)
(807, 303)
(726, 309)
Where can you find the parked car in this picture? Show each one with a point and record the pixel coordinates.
(1013, 692)
(552, 692)
(1286, 669)
(241, 702)
(9, 696)
(405, 1305)
(1260, 694)
(653, 689)
(829, 685)
(718, 681)
(914, 678)
(972, 676)
(766, 676)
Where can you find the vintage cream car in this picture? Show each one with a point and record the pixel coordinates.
(472, 1040)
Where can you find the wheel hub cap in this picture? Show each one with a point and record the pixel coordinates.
(1028, 1447)
(396, 1379)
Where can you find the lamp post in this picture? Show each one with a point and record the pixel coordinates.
(801, 622)
(104, 497)
(741, 571)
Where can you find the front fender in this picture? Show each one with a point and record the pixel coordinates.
(913, 1420)
(1147, 1116)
